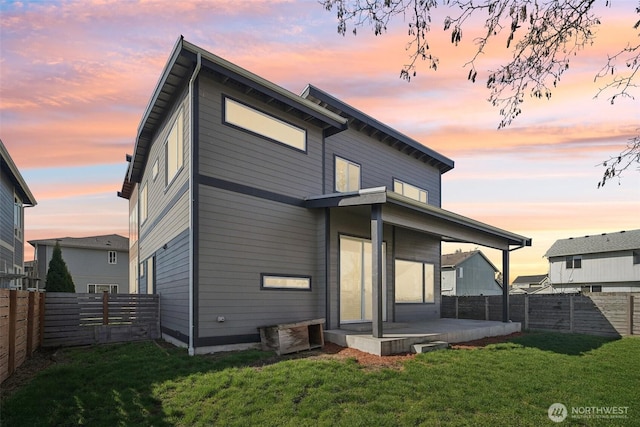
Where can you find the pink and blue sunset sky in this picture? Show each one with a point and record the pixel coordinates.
(75, 78)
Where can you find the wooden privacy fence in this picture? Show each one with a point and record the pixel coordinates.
(609, 314)
(21, 314)
(81, 319)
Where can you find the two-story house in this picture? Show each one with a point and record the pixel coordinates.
(14, 197)
(96, 263)
(252, 206)
(607, 262)
(469, 273)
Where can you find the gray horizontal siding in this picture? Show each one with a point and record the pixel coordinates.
(6, 211)
(172, 283)
(237, 156)
(241, 237)
(379, 164)
(168, 207)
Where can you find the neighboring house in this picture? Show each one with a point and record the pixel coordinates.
(469, 273)
(253, 206)
(608, 262)
(96, 263)
(14, 197)
(536, 284)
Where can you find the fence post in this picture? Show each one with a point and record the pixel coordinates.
(456, 299)
(486, 308)
(526, 312)
(105, 308)
(30, 324)
(12, 330)
(41, 305)
(630, 314)
(571, 313)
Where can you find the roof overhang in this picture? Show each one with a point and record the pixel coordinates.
(175, 78)
(408, 213)
(6, 162)
(376, 129)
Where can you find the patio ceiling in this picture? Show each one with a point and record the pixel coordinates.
(405, 212)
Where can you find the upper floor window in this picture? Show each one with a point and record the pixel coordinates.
(410, 191)
(17, 217)
(113, 257)
(144, 210)
(154, 170)
(133, 224)
(263, 124)
(175, 150)
(574, 261)
(347, 175)
(636, 257)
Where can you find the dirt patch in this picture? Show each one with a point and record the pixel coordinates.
(40, 360)
(483, 342)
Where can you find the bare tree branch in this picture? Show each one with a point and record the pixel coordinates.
(543, 35)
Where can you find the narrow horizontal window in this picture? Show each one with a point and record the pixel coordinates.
(98, 289)
(254, 121)
(410, 191)
(286, 282)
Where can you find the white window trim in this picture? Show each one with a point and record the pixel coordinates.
(115, 257)
(112, 286)
(178, 128)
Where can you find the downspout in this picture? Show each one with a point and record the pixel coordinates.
(192, 350)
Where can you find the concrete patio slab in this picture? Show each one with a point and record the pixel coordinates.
(399, 337)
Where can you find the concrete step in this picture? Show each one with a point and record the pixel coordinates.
(429, 346)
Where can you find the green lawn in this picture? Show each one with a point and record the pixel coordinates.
(509, 384)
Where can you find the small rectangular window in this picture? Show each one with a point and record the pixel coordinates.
(636, 257)
(596, 288)
(573, 261)
(175, 150)
(143, 204)
(347, 175)
(411, 191)
(112, 257)
(273, 281)
(154, 170)
(263, 124)
(460, 272)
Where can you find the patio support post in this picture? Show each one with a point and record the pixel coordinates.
(376, 250)
(505, 285)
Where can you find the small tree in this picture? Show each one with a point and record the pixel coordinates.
(58, 276)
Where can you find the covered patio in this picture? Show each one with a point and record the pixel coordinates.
(384, 207)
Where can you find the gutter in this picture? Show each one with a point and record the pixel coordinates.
(191, 200)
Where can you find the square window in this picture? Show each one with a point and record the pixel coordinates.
(414, 282)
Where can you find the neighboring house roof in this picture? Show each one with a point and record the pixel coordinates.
(379, 130)
(605, 242)
(455, 259)
(111, 242)
(180, 68)
(7, 164)
(527, 280)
